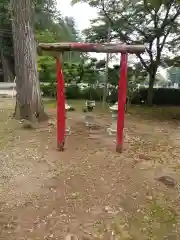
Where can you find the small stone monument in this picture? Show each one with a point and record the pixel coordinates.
(89, 119)
(112, 130)
(89, 106)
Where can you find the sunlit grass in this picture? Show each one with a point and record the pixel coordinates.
(155, 112)
(77, 104)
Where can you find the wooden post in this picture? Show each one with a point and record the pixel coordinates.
(121, 102)
(60, 106)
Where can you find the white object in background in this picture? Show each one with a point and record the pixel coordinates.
(112, 130)
(90, 103)
(67, 106)
(114, 107)
(14, 88)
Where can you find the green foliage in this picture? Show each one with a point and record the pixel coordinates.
(135, 76)
(162, 96)
(5, 29)
(47, 69)
(92, 94)
(73, 92)
(49, 90)
(149, 22)
(73, 72)
(49, 27)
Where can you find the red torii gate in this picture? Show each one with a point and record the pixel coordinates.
(57, 48)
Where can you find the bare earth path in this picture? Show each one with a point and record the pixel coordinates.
(88, 190)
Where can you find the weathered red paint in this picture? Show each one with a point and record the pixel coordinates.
(121, 102)
(60, 106)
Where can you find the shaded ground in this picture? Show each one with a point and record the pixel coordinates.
(88, 190)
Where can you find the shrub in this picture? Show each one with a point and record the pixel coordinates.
(49, 90)
(73, 92)
(92, 94)
(162, 96)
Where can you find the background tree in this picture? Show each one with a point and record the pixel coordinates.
(28, 100)
(49, 25)
(153, 23)
(6, 49)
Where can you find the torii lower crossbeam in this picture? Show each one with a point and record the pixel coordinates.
(56, 48)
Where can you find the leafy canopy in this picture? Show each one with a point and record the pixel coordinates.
(150, 22)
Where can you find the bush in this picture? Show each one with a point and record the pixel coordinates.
(73, 92)
(162, 96)
(49, 90)
(92, 94)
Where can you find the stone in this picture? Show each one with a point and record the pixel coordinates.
(110, 210)
(112, 130)
(51, 123)
(71, 237)
(168, 181)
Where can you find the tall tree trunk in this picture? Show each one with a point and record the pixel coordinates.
(28, 100)
(150, 93)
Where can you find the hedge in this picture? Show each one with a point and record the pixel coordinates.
(74, 92)
(162, 96)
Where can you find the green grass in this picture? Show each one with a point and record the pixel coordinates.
(154, 222)
(77, 104)
(157, 221)
(156, 112)
(166, 113)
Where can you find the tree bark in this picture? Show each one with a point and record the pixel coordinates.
(28, 99)
(150, 93)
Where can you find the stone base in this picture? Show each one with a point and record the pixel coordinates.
(68, 131)
(68, 128)
(89, 121)
(112, 130)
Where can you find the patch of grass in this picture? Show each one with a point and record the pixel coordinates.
(49, 103)
(156, 112)
(99, 227)
(115, 226)
(165, 113)
(155, 222)
(78, 105)
(119, 228)
(162, 214)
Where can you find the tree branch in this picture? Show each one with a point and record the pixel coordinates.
(167, 14)
(166, 20)
(143, 62)
(169, 30)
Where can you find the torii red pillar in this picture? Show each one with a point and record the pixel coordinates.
(61, 115)
(121, 102)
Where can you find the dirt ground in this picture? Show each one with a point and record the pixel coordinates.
(89, 191)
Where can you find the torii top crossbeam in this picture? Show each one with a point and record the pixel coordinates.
(90, 47)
